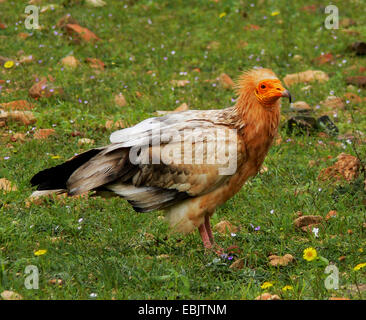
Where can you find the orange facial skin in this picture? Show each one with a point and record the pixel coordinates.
(268, 91)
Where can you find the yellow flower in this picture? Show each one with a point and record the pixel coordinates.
(275, 13)
(40, 252)
(286, 288)
(222, 14)
(360, 250)
(55, 157)
(9, 64)
(310, 254)
(266, 285)
(359, 266)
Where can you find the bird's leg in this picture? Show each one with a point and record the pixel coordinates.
(218, 250)
(208, 229)
(204, 236)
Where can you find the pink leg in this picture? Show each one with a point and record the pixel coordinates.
(218, 250)
(205, 237)
(208, 229)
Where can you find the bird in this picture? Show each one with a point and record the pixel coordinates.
(186, 163)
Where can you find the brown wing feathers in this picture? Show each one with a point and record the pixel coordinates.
(56, 177)
(146, 186)
(104, 170)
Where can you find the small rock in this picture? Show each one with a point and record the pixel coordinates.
(352, 97)
(85, 141)
(324, 123)
(76, 134)
(18, 137)
(268, 296)
(56, 282)
(225, 227)
(359, 48)
(162, 256)
(23, 35)
(237, 265)
(17, 105)
(304, 221)
(213, 45)
(347, 167)
(182, 107)
(300, 106)
(95, 63)
(67, 19)
(331, 214)
(333, 102)
(280, 261)
(81, 33)
(347, 22)
(297, 57)
(24, 117)
(303, 124)
(355, 289)
(110, 124)
(70, 62)
(7, 186)
(120, 100)
(226, 81)
(26, 59)
(324, 58)
(359, 81)
(306, 76)
(299, 214)
(44, 88)
(43, 133)
(11, 295)
(149, 236)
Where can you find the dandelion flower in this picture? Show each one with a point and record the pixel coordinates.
(9, 64)
(40, 252)
(359, 266)
(266, 285)
(310, 254)
(222, 14)
(275, 13)
(287, 288)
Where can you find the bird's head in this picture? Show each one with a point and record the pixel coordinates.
(261, 85)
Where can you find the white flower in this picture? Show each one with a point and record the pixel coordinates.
(315, 231)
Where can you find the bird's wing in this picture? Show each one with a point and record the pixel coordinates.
(160, 127)
(169, 158)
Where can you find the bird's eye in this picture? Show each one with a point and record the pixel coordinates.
(263, 86)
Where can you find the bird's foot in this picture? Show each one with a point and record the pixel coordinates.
(224, 253)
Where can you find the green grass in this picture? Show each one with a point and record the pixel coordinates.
(110, 254)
